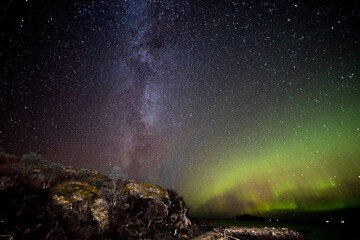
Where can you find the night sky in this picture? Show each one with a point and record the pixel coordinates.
(240, 106)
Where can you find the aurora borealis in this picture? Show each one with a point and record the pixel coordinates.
(312, 168)
(240, 106)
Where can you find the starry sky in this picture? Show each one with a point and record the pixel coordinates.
(240, 106)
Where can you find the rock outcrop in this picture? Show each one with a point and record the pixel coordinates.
(44, 200)
(250, 233)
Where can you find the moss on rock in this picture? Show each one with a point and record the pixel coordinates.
(70, 192)
(96, 177)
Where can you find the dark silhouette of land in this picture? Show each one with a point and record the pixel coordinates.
(248, 217)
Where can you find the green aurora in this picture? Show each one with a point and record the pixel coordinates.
(239, 106)
(298, 161)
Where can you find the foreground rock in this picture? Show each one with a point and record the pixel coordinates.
(250, 233)
(43, 200)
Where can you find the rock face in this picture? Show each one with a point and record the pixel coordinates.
(43, 200)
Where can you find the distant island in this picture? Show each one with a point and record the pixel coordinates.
(248, 217)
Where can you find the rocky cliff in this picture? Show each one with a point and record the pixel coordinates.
(44, 200)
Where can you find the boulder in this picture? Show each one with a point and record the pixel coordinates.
(44, 200)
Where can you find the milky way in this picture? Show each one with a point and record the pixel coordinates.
(240, 106)
(137, 102)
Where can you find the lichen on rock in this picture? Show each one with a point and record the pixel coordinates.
(99, 210)
(146, 190)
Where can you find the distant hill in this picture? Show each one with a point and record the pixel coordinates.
(248, 217)
(40, 199)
